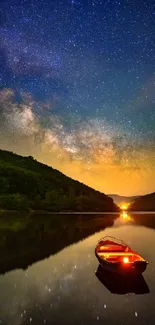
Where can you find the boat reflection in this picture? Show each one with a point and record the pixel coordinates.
(119, 284)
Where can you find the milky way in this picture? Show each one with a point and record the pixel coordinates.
(77, 83)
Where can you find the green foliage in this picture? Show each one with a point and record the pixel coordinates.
(28, 184)
(14, 202)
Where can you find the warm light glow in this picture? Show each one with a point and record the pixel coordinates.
(125, 260)
(125, 216)
(124, 206)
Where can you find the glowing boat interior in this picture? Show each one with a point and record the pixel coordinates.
(118, 253)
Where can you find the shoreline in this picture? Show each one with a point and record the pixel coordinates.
(40, 212)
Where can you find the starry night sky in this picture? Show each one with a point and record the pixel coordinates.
(77, 89)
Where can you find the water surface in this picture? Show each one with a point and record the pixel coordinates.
(47, 267)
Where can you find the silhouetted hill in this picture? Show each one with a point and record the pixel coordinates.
(27, 184)
(118, 199)
(144, 203)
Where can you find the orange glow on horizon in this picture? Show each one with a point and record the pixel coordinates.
(124, 206)
(89, 153)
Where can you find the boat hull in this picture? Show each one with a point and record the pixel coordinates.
(133, 268)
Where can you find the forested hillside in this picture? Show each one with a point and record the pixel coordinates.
(27, 184)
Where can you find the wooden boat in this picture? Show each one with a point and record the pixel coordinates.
(116, 256)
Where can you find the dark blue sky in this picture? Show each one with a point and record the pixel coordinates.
(83, 60)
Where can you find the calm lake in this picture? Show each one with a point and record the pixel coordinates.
(48, 265)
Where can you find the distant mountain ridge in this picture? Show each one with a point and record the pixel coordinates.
(120, 199)
(28, 184)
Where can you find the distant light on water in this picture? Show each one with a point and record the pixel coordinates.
(125, 216)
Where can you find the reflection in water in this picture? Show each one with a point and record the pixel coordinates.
(119, 284)
(146, 219)
(27, 240)
(63, 288)
(125, 216)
